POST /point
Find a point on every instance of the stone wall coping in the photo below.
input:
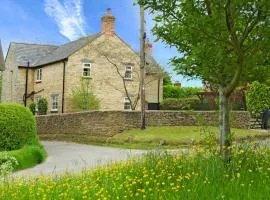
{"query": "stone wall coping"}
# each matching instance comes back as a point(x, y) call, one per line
point(148, 111)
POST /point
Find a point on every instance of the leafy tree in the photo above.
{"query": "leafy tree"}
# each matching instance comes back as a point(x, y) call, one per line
point(226, 43)
point(171, 91)
point(167, 79)
point(82, 98)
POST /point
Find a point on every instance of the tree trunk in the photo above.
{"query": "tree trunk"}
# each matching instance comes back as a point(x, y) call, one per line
point(224, 122)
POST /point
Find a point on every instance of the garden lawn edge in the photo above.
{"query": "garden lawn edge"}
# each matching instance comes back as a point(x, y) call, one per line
point(28, 156)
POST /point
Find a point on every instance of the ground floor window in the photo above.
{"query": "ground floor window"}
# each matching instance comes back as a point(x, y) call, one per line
point(37, 98)
point(127, 104)
point(54, 102)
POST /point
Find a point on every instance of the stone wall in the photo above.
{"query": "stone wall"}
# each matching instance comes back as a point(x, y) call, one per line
point(109, 123)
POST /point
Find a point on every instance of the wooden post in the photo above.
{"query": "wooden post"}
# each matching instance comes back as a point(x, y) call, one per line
point(142, 66)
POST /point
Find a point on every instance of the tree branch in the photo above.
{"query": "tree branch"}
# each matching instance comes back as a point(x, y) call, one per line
point(230, 24)
point(124, 83)
point(208, 7)
point(249, 27)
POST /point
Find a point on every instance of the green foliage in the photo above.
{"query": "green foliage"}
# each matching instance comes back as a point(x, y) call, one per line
point(258, 98)
point(32, 107)
point(83, 99)
point(1, 80)
point(170, 176)
point(7, 164)
point(167, 79)
point(179, 104)
point(171, 91)
point(42, 105)
point(222, 42)
point(17, 127)
point(28, 156)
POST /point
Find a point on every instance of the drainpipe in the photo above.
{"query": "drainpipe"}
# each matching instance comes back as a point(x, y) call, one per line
point(158, 92)
point(63, 90)
point(26, 84)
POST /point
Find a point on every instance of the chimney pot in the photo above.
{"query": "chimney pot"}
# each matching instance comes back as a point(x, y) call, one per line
point(148, 47)
point(108, 12)
point(108, 22)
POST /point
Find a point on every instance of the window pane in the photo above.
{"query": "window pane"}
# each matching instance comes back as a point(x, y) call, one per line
point(128, 74)
point(127, 105)
point(39, 74)
point(86, 72)
point(55, 102)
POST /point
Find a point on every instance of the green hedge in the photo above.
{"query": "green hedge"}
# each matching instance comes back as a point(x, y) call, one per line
point(179, 104)
point(258, 98)
point(171, 91)
point(28, 156)
point(17, 127)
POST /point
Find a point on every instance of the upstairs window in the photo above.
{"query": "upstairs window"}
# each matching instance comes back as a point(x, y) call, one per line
point(127, 105)
point(87, 70)
point(54, 102)
point(128, 72)
point(39, 75)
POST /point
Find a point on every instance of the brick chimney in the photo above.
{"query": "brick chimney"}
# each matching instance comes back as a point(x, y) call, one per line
point(148, 47)
point(108, 22)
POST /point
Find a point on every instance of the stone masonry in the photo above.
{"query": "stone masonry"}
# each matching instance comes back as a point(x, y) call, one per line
point(109, 123)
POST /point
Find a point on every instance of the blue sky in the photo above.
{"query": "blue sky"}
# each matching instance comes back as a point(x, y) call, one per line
point(60, 21)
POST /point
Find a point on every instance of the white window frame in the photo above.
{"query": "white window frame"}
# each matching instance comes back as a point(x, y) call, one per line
point(37, 98)
point(87, 67)
point(126, 101)
point(54, 102)
point(39, 75)
point(129, 68)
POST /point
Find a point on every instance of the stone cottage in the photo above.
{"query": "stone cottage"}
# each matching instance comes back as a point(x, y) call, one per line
point(104, 60)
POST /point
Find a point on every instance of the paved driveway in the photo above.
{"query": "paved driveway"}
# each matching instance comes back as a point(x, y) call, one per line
point(73, 157)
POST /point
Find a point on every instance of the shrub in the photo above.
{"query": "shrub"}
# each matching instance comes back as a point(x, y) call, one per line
point(17, 126)
point(42, 105)
point(258, 98)
point(179, 104)
point(7, 164)
point(171, 91)
point(28, 156)
point(82, 98)
point(32, 107)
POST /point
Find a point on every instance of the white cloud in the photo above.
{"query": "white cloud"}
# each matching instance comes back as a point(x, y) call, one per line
point(68, 16)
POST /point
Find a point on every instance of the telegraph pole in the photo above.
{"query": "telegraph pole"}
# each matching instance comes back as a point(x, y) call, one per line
point(142, 66)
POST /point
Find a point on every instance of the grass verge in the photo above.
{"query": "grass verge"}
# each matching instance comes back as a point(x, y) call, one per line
point(28, 156)
point(157, 137)
point(201, 175)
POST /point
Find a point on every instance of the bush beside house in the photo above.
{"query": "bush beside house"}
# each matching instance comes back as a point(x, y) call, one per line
point(18, 136)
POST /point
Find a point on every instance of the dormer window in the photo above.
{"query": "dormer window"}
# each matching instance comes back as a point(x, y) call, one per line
point(128, 72)
point(39, 75)
point(87, 70)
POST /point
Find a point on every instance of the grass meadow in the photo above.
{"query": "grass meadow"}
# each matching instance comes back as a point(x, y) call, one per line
point(200, 173)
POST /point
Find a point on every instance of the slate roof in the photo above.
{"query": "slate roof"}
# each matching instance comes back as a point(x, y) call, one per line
point(30, 52)
point(39, 55)
point(66, 50)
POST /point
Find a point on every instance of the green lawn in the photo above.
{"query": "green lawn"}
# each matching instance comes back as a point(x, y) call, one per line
point(174, 136)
